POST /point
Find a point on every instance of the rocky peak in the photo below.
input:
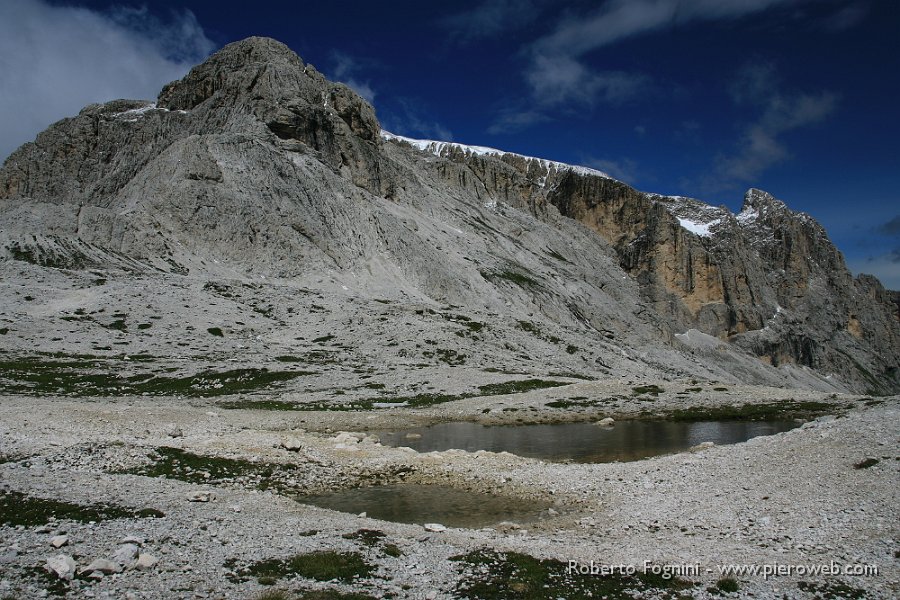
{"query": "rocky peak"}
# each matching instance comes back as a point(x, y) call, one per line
point(237, 65)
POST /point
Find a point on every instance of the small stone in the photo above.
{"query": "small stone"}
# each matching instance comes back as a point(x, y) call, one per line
point(413, 436)
point(58, 541)
point(552, 512)
point(146, 561)
point(201, 496)
point(434, 527)
point(125, 554)
point(432, 595)
point(133, 539)
point(291, 445)
point(607, 422)
point(63, 566)
point(174, 432)
point(702, 446)
point(101, 565)
point(362, 515)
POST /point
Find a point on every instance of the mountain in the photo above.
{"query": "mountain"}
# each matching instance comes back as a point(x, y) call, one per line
point(256, 212)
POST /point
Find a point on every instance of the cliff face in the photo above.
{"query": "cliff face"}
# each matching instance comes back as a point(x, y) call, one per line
point(255, 165)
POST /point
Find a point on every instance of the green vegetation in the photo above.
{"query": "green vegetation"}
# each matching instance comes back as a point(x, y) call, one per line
point(865, 464)
point(323, 565)
point(652, 389)
point(175, 463)
point(326, 594)
point(216, 331)
point(783, 410)
point(515, 277)
point(728, 585)
point(518, 387)
point(245, 403)
point(490, 575)
point(832, 591)
point(556, 255)
point(19, 509)
point(92, 376)
point(374, 538)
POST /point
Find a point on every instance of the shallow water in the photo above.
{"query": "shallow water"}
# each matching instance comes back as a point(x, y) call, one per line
point(582, 442)
point(415, 503)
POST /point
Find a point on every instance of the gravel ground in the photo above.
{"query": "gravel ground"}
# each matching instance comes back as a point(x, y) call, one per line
point(796, 498)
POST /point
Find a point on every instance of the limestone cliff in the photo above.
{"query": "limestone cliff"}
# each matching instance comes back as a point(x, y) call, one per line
point(254, 166)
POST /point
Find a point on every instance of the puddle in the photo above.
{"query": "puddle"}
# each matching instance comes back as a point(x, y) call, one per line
point(415, 503)
point(582, 442)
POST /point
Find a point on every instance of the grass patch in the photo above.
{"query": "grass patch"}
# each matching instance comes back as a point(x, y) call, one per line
point(323, 339)
point(490, 575)
point(175, 463)
point(729, 585)
point(82, 377)
point(19, 509)
point(515, 277)
point(367, 537)
point(518, 387)
point(491, 389)
point(865, 464)
point(783, 410)
point(833, 591)
point(652, 389)
point(257, 405)
point(326, 565)
point(216, 331)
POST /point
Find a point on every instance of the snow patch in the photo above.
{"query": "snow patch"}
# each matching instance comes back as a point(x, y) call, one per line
point(701, 229)
point(440, 149)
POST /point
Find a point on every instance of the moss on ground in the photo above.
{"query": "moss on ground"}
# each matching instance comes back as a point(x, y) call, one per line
point(20, 509)
point(324, 565)
point(92, 376)
point(491, 575)
point(763, 411)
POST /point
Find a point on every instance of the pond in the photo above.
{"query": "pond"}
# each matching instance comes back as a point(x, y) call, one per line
point(582, 442)
point(416, 503)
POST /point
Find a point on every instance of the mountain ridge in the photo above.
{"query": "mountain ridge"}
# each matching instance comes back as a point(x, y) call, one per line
point(254, 167)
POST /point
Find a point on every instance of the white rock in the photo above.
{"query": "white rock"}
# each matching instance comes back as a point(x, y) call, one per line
point(432, 595)
point(435, 527)
point(133, 539)
point(125, 554)
point(291, 445)
point(58, 541)
point(102, 565)
point(413, 436)
point(201, 496)
point(146, 561)
point(62, 565)
point(607, 422)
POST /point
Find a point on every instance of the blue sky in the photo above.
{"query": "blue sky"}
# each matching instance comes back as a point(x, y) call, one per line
point(703, 98)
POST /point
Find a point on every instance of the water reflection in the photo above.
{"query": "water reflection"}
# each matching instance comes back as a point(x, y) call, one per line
point(414, 503)
point(582, 442)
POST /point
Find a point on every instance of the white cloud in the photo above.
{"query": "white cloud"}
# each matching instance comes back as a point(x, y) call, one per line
point(560, 80)
point(344, 71)
point(493, 17)
point(556, 72)
point(761, 145)
point(55, 60)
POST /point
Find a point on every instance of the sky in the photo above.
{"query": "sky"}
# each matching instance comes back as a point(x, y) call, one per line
point(699, 98)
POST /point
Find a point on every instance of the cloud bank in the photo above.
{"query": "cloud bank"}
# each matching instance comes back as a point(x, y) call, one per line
point(559, 78)
point(56, 59)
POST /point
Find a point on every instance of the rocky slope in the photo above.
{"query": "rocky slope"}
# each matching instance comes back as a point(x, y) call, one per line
point(254, 186)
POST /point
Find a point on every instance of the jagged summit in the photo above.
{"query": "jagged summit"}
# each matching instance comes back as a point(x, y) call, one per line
point(255, 169)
